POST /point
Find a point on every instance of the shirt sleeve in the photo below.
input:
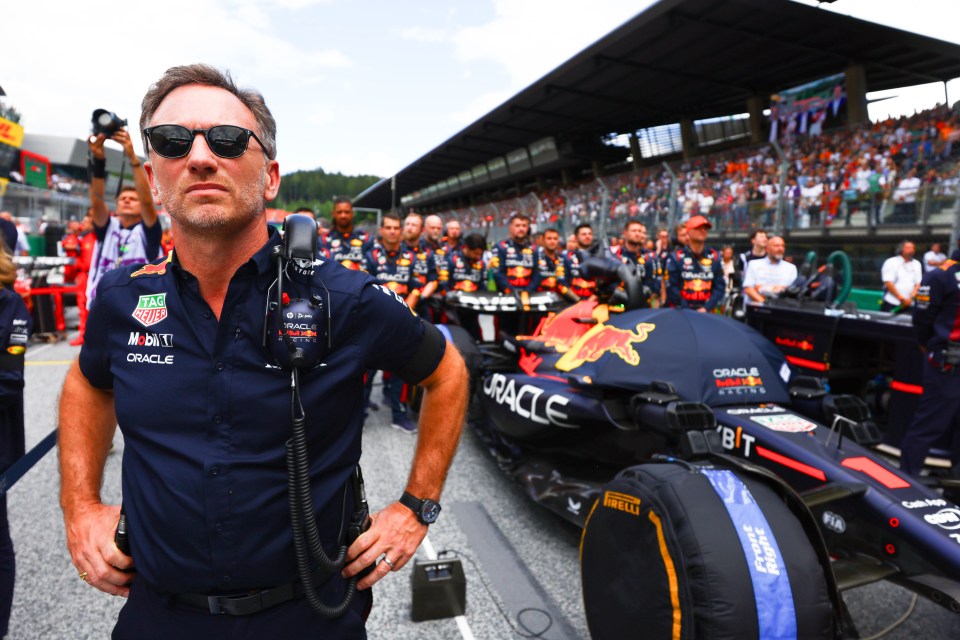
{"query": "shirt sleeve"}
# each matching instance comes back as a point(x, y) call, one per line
point(718, 289)
point(888, 273)
point(749, 277)
point(94, 355)
point(393, 338)
point(152, 236)
point(673, 283)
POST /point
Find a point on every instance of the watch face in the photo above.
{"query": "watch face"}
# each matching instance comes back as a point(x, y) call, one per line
point(429, 511)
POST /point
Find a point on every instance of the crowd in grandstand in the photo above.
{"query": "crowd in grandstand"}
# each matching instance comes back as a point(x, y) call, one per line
point(876, 169)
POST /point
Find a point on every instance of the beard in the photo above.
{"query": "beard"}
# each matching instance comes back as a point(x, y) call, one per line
point(211, 216)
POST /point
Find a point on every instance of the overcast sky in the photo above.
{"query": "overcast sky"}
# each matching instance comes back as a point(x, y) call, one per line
point(357, 87)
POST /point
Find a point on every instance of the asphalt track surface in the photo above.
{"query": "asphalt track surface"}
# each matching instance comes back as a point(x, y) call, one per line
point(516, 555)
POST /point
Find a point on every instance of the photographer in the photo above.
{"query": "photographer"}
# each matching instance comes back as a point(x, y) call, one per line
point(133, 235)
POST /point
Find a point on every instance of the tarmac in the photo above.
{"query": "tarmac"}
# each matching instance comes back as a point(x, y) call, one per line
point(520, 561)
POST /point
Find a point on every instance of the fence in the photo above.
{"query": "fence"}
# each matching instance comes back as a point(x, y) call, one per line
point(30, 204)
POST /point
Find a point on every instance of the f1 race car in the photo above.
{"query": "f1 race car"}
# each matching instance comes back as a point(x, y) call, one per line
point(592, 392)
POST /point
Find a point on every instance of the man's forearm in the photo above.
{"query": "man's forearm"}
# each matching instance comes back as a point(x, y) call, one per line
point(441, 421)
point(98, 189)
point(87, 424)
point(148, 212)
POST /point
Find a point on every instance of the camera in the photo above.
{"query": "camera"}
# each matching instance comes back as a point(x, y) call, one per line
point(107, 123)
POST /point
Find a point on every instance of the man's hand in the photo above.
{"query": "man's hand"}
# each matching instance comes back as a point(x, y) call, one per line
point(96, 146)
point(394, 533)
point(123, 139)
point(90, 533)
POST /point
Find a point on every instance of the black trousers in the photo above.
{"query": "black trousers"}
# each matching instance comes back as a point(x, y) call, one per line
point(149, 614)
point(937, 415)
point(7, 568)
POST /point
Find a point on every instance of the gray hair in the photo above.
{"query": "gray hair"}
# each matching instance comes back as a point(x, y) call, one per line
point(204, 74)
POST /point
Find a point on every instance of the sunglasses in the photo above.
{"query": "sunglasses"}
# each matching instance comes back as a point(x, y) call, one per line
point(175, 141)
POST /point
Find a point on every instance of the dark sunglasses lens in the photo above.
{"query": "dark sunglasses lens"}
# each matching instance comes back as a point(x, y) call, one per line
point(227, 141)
point(171, 141)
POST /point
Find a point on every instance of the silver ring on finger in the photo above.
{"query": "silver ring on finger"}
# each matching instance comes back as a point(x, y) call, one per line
point(389, 564)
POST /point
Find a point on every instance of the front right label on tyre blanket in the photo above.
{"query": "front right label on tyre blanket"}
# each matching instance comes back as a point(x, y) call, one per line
point(776, 615)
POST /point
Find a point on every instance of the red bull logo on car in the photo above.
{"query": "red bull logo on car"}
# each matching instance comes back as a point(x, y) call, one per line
point(151, 309)
point(603, 338)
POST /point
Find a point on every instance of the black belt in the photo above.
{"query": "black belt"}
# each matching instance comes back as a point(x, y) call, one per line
point(252, 602)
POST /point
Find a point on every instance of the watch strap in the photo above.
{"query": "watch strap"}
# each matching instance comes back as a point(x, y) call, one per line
point(411, 502)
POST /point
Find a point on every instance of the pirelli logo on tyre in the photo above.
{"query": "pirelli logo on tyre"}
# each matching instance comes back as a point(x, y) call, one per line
point(622, 502)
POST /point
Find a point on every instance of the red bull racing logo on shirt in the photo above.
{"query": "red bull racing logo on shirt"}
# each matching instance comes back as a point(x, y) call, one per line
point(151, 309)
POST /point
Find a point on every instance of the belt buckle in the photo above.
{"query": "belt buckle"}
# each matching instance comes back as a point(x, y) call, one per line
point(216, 606)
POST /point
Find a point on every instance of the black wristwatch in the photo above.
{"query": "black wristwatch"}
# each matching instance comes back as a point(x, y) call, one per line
point(426, 510)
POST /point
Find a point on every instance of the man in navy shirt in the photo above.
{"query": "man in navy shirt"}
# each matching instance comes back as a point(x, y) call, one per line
point(513, 262)
point(694, 272)
point(174, 355)
point(394, 265)
point(937, 322)
point(346, 243)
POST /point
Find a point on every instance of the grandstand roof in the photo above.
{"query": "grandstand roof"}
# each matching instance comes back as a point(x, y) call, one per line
point(678, 59)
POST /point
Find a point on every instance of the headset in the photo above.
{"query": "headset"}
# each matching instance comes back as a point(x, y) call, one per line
point(297, 332)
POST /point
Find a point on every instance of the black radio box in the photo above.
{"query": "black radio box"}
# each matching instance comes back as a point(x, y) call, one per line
point(439, 590)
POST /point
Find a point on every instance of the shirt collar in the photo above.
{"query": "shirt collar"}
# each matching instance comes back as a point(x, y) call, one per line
point(261, 262)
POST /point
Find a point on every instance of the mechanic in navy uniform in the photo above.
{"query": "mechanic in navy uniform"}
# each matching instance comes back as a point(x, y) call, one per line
point(632, 252)
point(174, 355)
point(512, 260)
point(552, 266)
point(936, 319)
point(464, 271)
point(346, 243)
point(393, 264)
point(694, 272)
point(582, 287)
point(14, 335)
point(424, 267)
point(432, 239)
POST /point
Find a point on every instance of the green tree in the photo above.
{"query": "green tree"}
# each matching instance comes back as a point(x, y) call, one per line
point(316, 189)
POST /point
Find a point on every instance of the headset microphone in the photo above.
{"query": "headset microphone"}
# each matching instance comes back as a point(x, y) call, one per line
point(297, 337)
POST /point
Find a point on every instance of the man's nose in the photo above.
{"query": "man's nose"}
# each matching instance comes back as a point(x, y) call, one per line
point(201, 158)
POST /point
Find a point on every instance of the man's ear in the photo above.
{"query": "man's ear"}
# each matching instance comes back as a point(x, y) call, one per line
point(151, 180)
point(272, 184)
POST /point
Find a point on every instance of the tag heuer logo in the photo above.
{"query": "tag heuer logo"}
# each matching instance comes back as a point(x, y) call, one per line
point(151, 309)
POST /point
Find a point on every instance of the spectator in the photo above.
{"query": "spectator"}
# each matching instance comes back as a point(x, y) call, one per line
point(728, 264)
point(906, 198)
point(933, 258)
point(901, 275)
point(769, 275)
point(757, 251)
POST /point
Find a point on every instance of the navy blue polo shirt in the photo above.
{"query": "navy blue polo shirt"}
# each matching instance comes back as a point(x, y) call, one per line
point(205, 413)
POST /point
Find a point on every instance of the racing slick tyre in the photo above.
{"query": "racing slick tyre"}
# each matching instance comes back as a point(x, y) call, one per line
point(684, 551)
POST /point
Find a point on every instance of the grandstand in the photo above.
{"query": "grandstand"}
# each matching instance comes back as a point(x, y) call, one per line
point(668, 116)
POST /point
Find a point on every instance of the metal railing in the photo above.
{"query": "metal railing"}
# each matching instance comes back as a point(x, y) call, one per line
point(30, 204)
